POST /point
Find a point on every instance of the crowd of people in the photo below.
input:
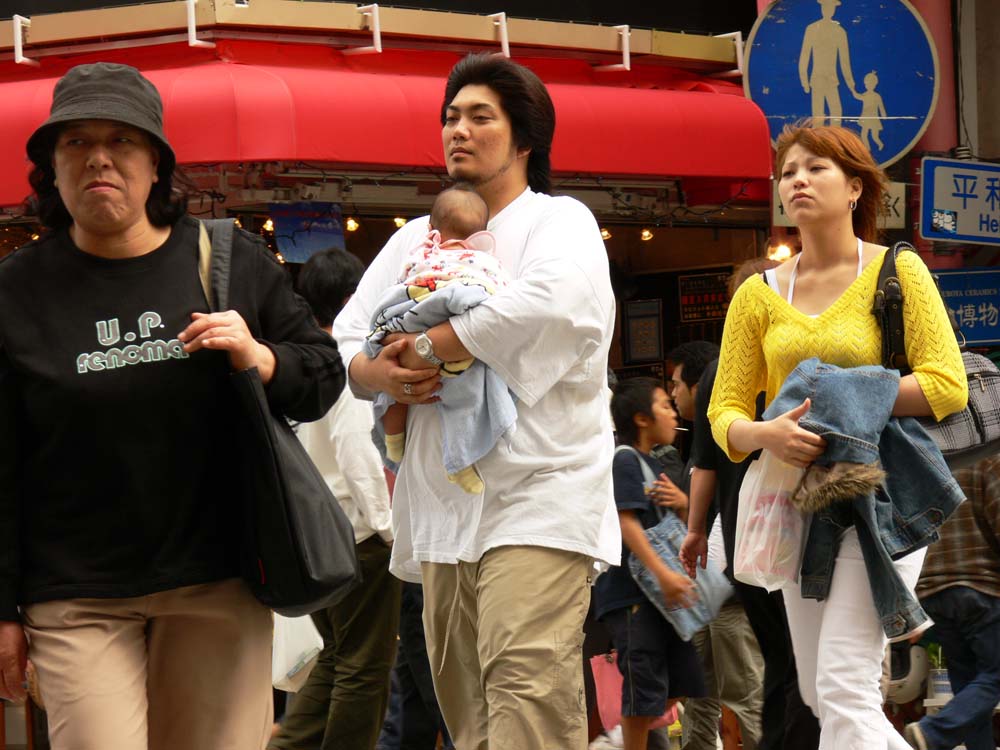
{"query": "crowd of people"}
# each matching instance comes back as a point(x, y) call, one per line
point(482, 336)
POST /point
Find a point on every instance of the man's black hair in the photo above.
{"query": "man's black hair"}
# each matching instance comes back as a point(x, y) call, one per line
point(326, 280)
point(694, 356)
point(524, 99)
point(631, 397)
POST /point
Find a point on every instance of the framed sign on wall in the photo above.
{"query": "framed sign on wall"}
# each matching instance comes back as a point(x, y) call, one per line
point(643, 331)
point(703, 296)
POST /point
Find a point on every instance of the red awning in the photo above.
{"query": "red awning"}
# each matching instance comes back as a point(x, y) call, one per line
point(252, 102)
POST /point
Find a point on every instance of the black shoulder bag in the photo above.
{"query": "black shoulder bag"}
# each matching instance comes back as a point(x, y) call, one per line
point(966, 436)
point(297, 552)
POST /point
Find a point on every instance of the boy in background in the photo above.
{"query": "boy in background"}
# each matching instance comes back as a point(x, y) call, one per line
point(657, 667)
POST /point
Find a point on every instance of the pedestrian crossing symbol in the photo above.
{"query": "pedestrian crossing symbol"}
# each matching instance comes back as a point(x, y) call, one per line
point(869, 65)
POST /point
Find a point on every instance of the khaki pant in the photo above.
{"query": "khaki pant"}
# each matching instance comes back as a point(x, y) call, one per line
point(734, 677)
point(184, 669)
point(504, 638)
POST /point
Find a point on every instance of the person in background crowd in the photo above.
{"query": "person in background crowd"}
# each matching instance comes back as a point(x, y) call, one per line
point(415, 722)
point(960, 589)
point(820, 306)
point(786, 722)
point(597, 638)
point(730, 656)
point(342, 704)
point(506, 572)
point(120, 521)
point(657, 667)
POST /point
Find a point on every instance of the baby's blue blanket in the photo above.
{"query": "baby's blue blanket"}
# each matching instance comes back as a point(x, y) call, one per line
point(476, 407)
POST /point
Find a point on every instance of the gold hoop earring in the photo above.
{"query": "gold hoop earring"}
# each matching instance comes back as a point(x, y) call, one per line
point(853, 204)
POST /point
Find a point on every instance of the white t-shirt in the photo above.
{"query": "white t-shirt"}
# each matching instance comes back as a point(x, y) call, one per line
point(340, 444)
point(547, 335)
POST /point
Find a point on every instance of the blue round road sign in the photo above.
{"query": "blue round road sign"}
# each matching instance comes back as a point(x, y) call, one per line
point(870, 65)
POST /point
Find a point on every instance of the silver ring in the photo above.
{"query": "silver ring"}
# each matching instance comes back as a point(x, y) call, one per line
point(408, 389)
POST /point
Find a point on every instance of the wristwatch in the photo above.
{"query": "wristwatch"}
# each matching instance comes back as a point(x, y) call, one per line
point(425, 349)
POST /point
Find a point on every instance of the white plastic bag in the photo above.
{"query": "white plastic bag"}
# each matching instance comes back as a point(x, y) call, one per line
point(297, 644)
point(770, 530)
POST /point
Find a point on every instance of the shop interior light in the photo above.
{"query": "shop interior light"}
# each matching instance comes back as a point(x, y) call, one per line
point(399, 221)
point(781, 252)
point(646, 234)
point(605, 234)
point(268, 226)
point(280, 257)
point(34, 237)
point(238, 223)
point(351, 225)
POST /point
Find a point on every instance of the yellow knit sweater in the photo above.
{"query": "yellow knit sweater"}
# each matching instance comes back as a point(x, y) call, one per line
point(765, 338)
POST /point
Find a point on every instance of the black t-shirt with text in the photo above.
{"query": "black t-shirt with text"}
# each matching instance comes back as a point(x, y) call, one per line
point(116, 452)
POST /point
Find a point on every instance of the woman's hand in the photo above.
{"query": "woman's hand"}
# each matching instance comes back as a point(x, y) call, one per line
point(787, 441)
point(227, 331)
point(386, 374)
point(13, 661)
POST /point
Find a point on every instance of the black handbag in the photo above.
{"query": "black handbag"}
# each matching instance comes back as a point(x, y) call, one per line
point(965, 436)
point(297, 553)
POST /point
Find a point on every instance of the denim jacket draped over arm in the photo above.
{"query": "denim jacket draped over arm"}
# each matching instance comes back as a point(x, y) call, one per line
point(894, 513)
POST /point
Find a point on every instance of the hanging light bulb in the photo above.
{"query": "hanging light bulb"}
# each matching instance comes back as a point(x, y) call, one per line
point(781, 252)
point(646, 234)
point(268, 225)
point(399, 221)
point(605, 234)
point(351, 225)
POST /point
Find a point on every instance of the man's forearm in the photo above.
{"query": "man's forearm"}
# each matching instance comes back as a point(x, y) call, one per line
point(359, 371)
point(700, 499)
point(446, 343)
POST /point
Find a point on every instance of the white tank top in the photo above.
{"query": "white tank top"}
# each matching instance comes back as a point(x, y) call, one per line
point(772, 277)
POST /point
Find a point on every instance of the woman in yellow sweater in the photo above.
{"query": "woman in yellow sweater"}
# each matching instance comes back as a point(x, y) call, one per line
point(819, 305)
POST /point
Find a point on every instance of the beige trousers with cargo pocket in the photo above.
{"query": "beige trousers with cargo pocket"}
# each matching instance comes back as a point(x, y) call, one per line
point(504, 640)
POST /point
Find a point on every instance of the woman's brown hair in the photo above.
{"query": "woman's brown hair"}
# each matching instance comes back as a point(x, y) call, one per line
point(845, 148)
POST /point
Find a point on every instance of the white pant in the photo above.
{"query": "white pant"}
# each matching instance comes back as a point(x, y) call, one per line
point(839, 646)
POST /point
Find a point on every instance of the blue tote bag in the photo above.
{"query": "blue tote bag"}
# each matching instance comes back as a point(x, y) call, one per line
point(666, 539)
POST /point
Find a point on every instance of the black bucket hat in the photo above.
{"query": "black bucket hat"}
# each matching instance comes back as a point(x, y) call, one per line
point(104, 91)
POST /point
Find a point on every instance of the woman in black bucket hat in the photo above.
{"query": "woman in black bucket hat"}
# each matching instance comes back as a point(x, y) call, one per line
point(119, 525)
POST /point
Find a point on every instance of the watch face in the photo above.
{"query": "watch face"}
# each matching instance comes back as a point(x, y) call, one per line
point(423, 346)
